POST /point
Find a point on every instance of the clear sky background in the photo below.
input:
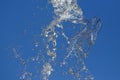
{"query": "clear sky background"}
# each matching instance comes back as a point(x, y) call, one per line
point(19, 19)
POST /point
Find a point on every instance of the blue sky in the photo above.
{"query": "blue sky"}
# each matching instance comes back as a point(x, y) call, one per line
point(19, 19)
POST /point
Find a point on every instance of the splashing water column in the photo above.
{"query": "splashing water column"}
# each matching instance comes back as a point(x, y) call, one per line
point(65, 51)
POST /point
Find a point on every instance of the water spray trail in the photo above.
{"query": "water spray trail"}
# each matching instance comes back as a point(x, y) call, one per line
point(65, 63)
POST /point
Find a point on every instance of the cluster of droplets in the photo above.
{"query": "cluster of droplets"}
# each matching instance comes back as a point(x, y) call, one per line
point(67, 9)
point(48, 61)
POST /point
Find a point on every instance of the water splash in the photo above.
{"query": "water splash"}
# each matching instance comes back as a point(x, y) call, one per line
point(66, 43)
